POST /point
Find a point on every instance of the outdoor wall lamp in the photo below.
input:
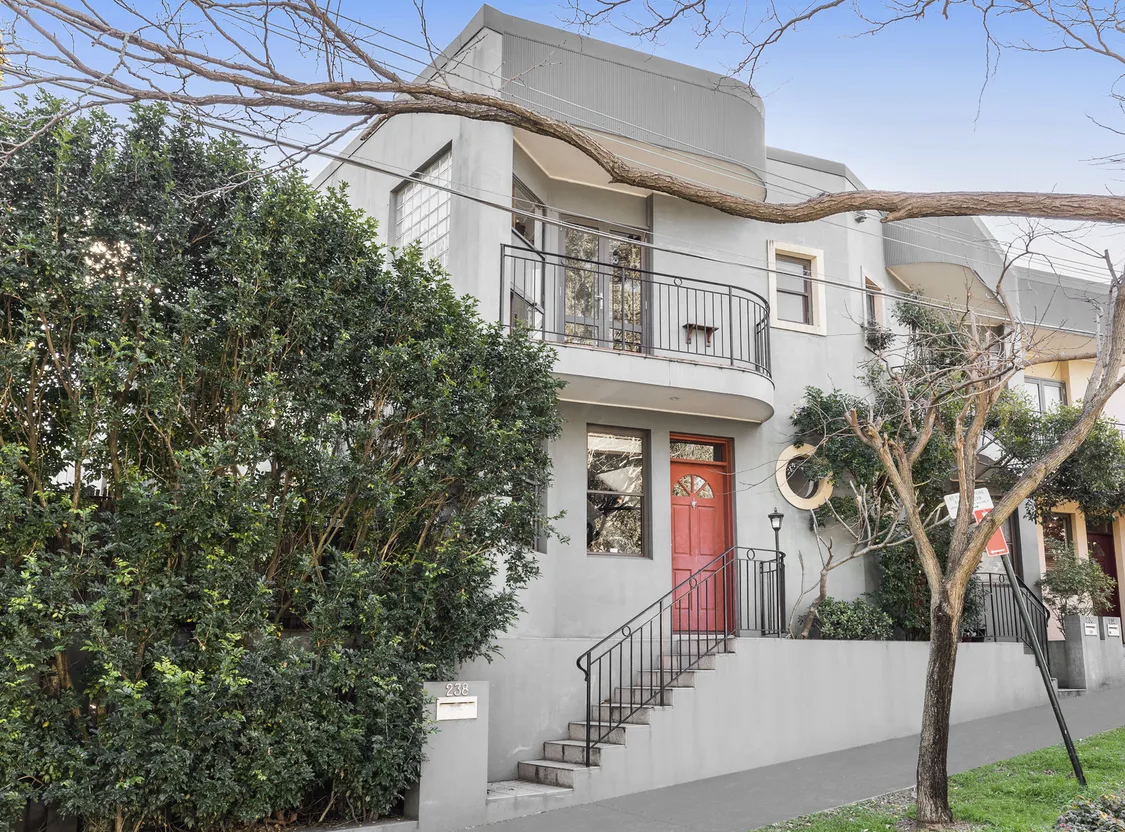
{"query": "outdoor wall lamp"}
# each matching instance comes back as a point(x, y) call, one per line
point(775, 520)
point(779, 567)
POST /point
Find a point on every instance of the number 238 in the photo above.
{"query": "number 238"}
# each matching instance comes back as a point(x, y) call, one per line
point(457, 689)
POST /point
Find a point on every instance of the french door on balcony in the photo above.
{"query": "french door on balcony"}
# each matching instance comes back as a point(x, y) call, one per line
point(604, 293)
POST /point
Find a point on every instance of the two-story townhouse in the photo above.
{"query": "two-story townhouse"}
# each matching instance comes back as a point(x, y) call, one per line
point(685, 338)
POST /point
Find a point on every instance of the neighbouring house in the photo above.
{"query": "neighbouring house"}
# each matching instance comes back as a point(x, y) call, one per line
point(685, 337)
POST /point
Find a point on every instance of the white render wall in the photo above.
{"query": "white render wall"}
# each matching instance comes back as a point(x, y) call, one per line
point(771, 700)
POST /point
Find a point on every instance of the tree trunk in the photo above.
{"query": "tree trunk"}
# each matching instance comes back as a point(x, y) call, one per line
point(933, 777)
point(810, 616)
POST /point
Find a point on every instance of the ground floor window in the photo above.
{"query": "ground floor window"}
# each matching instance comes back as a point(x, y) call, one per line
point(1058, 531)
point(616, 475)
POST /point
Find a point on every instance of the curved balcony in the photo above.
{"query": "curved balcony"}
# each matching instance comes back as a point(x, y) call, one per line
point(631, 337)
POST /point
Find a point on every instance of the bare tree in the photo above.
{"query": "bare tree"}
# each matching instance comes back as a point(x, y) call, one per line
point(229, 62)
point(869, 520)
point(952, 374)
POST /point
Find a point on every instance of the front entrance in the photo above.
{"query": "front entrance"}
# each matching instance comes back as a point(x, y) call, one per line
point(1100, 545)
point(701, 532)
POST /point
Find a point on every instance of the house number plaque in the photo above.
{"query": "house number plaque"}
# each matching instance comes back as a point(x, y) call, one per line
point(457, 703)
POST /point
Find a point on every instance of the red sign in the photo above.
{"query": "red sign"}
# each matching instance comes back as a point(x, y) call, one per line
point(997, 545)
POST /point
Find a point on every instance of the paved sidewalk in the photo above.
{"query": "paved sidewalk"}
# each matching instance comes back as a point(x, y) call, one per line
point(749, 799)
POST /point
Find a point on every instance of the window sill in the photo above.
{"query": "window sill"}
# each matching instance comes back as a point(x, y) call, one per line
point(793, 326)
point(624, 555)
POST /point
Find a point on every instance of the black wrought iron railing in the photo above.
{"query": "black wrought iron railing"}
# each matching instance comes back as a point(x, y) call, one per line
point(998, 617)
point(620, 307)
point(742, 591)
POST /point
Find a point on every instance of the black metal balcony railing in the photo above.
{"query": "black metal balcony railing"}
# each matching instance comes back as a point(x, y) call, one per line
point(998, 617)
point(740, 591)
point(614, 306)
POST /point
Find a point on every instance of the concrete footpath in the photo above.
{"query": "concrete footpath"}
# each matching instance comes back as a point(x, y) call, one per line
point(749, 799)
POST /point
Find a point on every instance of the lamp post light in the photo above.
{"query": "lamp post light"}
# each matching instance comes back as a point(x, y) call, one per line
point(779, 561)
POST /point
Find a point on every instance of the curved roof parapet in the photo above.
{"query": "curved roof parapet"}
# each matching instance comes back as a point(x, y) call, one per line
point(622, 92)
point(956, 258)
point(950, 259)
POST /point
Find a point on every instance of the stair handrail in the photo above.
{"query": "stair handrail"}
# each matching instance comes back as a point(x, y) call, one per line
point(720, 574)
point(1037, 607)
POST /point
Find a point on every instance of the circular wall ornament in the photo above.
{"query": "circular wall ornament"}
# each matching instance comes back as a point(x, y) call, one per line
point(796, 487)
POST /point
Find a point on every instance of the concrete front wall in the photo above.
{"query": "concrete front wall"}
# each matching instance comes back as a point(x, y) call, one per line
point(782, 700)
point(771, 700)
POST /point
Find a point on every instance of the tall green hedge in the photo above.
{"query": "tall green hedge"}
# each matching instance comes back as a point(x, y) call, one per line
point(260, 477)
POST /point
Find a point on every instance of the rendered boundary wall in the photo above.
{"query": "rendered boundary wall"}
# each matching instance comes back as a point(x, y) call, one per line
point(770, 701)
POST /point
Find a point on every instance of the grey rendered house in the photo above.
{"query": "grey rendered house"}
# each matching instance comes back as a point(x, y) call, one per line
point(685, 337)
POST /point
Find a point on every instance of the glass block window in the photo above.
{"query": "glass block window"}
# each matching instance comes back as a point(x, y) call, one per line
point(422, 212)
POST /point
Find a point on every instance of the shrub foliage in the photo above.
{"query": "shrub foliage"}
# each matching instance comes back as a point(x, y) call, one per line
point(1100, 814)
point(856, 620)
point(260, 477)
point(1076, 587)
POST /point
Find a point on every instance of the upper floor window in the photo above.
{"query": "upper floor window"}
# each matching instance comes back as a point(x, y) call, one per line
point(422, 213)
point(526, 217)
point(1046, 394)
point(797, 299)
point(616, 461)
point(872, 303)
point(794, 289)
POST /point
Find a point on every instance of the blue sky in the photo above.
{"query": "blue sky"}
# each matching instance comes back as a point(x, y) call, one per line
point(900, 108)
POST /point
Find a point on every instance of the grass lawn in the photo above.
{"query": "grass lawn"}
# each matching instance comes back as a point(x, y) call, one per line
point(1023, 794)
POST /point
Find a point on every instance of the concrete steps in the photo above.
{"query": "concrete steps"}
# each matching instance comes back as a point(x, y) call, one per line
point(560, 777)
point(555, 772)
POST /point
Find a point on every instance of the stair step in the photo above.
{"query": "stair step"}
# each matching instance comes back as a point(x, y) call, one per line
point(684, 663)
point(636, 714)
point(604, 732)
point(515, 789)
point(652, 678)
point(574, 751)
point(684, 645)
point(554, 772)
point(642, 695)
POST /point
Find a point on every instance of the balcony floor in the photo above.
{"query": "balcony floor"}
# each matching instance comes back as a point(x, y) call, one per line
point(670, 385)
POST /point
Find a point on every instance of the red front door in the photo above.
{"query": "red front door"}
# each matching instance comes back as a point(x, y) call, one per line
point(1101, 549)
point(699, 535)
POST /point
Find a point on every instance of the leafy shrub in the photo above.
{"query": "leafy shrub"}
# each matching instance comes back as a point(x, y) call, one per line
point(1075, 587)
point(855, 620)
point(227, 412)
point(1103, 814)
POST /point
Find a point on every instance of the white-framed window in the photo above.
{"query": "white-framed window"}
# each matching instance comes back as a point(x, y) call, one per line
point(527, 218)
point(796, 277)
point(421, 213)
point(1045, 393)
point(616, 493)
point(872, 303)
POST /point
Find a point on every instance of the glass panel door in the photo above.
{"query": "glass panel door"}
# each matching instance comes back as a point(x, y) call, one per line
point(603, 291)
point(627, 293)
point(583, 295)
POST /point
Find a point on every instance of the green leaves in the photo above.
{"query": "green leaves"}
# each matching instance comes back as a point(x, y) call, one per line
point(259, 478)
point(1093, 476)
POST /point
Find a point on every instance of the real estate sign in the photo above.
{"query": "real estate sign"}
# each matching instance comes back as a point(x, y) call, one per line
point(982, 505)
